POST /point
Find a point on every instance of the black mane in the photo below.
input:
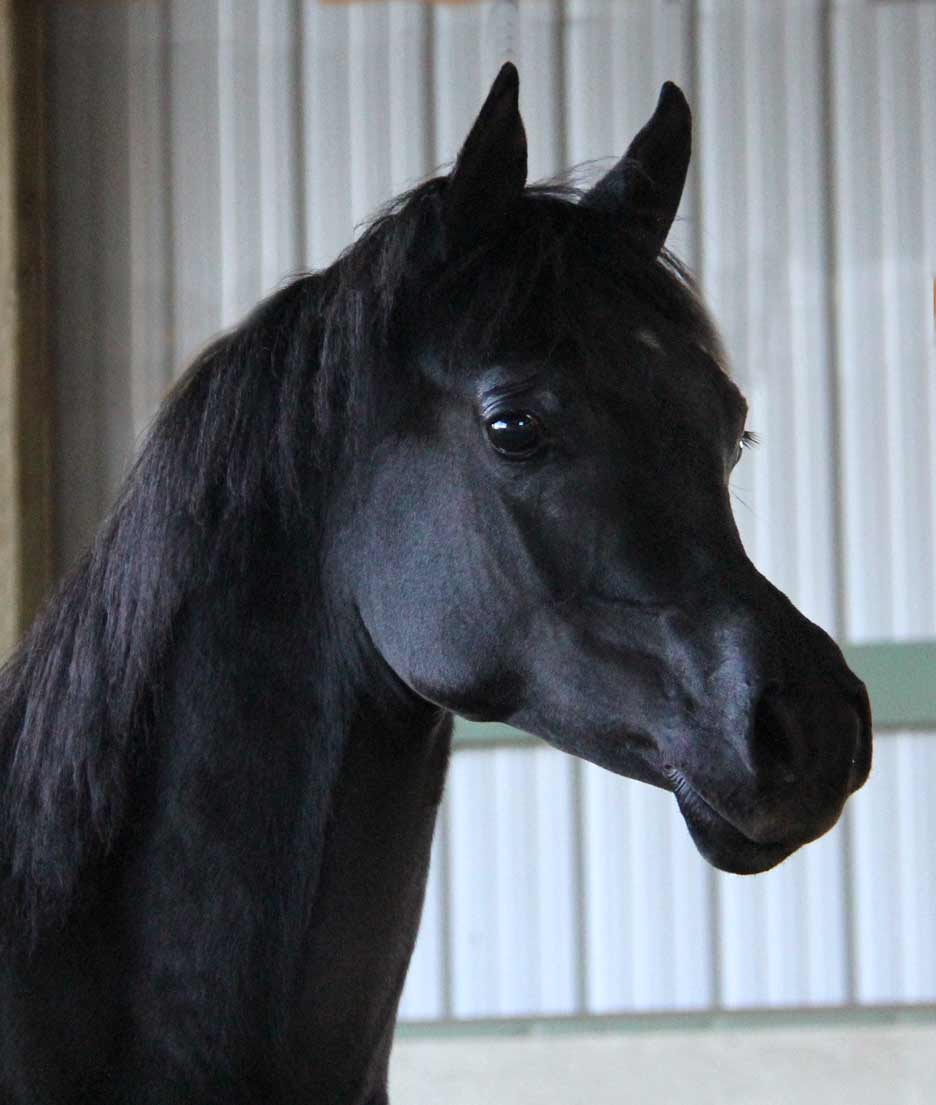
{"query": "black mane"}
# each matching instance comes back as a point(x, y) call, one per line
point(255, 426)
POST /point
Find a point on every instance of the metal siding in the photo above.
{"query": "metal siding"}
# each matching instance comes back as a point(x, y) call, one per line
point(884, 163)
point(424, 995)
point(764, 270)
point(369, 106)
point(412, 152)
point(248, 144)
point(895, 874)
point(279, 141)
point(916, 830)
point(239, 158)
point(885, 170)
point(511, 854)
point(327, 131)
point(150, 219)
point(555, 830)
point(475, 932)
point(648, 898)
point(195, 181)
point(532, 854)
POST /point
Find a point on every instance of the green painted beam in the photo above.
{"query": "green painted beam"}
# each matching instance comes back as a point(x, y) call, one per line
point(901, 679)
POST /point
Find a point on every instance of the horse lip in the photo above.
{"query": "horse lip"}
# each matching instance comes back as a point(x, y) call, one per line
point(720, 842)
point(681, 786)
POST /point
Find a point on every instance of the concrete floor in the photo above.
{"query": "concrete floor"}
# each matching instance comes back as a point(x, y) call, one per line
point(857, 1065)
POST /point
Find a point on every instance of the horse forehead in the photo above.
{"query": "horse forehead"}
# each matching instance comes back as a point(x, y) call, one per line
point(656, 340)
point(705, 362)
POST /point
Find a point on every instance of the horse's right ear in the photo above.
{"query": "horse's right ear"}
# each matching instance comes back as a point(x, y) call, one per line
point(646, 185)
point(490, 173)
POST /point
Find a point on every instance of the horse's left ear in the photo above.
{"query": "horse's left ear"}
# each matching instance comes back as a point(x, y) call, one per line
point(646, 185)
point(491, 169)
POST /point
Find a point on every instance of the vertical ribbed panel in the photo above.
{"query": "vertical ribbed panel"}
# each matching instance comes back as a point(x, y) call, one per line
point(409, 47)
point(369, 105)
point(279, 141)
point(472, 841)
point(425, 994)
point(648, 931)
point(198, 199)
point(761, 156)
point(885, 175)
point(895, 873)
point(511, 891)
point(206, 149)
point(150, 222)
point(885, 171)
point(238, 160)
point(327, 131)
point(532, 875)
point(762, 165)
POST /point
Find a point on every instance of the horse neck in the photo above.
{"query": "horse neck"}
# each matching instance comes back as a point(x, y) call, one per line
point(304, 776)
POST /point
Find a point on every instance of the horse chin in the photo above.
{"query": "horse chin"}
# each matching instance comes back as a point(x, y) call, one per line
point(722, 844)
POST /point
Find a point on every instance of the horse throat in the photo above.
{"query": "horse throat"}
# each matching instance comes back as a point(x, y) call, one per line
point(369, 893)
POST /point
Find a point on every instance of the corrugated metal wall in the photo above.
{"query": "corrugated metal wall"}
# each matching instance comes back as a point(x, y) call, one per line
point(205, 149)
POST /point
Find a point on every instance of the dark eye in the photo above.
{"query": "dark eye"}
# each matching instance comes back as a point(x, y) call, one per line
point(515, 434)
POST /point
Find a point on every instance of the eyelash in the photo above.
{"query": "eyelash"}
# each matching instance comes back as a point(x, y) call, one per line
point(749, 439)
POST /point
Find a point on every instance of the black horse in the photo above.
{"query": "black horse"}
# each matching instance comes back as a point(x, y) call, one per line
point(478, 466)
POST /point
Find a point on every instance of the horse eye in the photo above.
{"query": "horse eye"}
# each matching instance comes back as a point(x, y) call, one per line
point(515, 434)
point(748, 441)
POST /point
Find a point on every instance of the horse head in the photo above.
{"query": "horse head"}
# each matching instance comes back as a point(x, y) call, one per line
point(543, 534)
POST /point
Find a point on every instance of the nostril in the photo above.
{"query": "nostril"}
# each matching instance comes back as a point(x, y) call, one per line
point(811, 733)
point(805, 752)
point(776, 737)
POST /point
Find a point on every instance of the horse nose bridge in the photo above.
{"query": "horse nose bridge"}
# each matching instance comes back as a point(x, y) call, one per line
point(752, 635)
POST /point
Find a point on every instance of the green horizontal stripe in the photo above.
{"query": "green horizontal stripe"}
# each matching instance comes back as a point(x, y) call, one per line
point(901, 680)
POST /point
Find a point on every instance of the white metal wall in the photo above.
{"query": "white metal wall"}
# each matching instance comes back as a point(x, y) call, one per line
point(205, 149)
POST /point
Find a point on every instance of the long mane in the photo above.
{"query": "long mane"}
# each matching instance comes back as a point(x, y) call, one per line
point(253, 427)
point(74, 698)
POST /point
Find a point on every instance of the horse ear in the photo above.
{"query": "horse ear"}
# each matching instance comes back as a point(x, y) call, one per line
point(646, 185)
point(491, 169)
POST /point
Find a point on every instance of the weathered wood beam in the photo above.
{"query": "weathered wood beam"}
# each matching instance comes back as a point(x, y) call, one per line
point(26, 399)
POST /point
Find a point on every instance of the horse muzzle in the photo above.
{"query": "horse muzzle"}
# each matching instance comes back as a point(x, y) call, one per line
point(807, 750)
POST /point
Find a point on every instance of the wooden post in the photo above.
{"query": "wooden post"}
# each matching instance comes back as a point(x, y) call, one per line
point(26, 554)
